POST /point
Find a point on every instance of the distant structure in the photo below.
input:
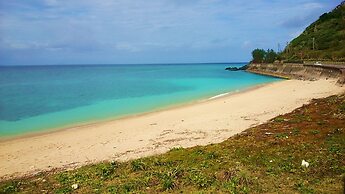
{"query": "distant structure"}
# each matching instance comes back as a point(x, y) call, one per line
point(279, 49)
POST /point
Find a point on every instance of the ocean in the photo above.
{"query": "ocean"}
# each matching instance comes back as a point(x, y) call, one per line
point(41, 98)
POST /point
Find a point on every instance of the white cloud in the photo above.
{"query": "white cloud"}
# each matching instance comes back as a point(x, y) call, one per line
point(155, 26)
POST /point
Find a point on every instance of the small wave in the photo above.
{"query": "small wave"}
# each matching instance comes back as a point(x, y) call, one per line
point(219, 95)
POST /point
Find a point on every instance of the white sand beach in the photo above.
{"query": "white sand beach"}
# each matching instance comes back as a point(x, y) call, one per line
point(201, 123)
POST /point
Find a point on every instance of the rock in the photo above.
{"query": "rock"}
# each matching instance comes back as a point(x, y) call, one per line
point(237, 68)
point(305, 163)
point(232, 69)
point(75, 186)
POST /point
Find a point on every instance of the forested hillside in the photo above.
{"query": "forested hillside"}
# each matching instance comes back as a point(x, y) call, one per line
point(322, 40)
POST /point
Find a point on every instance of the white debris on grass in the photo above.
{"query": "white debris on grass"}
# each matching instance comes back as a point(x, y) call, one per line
point(75, 186)
point(305, 163)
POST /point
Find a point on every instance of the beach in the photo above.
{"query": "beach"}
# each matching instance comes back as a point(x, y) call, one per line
point(200, 123)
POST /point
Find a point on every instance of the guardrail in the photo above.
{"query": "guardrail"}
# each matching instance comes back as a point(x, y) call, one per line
point(326, 66)
point(324, 62)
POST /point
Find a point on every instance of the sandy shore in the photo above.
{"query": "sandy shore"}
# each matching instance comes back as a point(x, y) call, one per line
point(201, 123)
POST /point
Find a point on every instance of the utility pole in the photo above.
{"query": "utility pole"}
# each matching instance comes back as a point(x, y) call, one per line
point(279, 50)
point(313, 43)
point(287, 47)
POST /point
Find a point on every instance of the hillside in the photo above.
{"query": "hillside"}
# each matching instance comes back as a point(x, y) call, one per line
point(322, 40)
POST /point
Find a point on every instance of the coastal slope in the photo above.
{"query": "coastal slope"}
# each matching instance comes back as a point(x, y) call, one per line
point(201, 123)
point(324, 39)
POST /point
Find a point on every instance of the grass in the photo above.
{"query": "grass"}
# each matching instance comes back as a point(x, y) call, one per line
point(264, 159)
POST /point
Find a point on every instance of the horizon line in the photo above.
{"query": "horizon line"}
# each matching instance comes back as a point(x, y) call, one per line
point(104, 64)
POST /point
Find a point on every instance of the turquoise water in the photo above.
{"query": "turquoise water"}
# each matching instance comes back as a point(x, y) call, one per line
point(36, 98)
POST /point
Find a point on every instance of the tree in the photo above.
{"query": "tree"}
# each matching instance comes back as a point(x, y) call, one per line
point(258, 55)
point(270, 56)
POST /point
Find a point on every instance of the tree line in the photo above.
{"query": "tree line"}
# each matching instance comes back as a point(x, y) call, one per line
point(264, 56)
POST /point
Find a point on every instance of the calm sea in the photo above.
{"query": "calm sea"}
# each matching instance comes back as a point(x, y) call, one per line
point(36, 98)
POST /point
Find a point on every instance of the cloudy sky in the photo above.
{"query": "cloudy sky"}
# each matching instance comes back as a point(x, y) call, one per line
point(148, 31)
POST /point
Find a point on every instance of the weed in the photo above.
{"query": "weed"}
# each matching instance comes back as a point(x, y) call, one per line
point(342, 107)
point(168, 183)
point(113, 189)
point(296, 131)
point(199, 152)
point(106, 170)
point(64, 190)
point(314, 132)
point(138, 165)
point(301, 187)
point(231, 185)
point(200, 179)
point(278, 119)
point(63, 178)
point(128, 187)
point(286, 166)
point(271, 171)
point(321, 122)
point(334, 148)
point(281, 135)
point(10, 187)
point(176, 149)
point(237, 185)
point(212, 155)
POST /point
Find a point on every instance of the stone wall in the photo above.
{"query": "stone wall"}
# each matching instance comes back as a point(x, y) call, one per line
point(300, 71)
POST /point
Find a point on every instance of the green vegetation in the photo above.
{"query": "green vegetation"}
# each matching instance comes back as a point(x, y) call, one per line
point(322, 40)
point(263, 159)
point(262, 56)
point(258, 55)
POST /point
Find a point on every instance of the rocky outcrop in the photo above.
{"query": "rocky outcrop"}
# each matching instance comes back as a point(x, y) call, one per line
point(245, 67)
point(300, 71)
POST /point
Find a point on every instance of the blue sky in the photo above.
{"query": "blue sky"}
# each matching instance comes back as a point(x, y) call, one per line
point(148, 31)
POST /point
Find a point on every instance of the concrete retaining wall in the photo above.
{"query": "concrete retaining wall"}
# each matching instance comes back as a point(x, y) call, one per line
point(300, 71)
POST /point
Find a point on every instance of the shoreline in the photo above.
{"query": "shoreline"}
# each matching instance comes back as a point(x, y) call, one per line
point(200, 123)
point(129, 116)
